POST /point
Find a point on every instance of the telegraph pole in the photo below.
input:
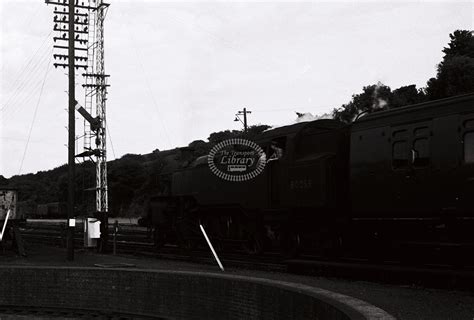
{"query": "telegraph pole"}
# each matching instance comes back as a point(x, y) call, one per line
point(67, 21)
point(72, 137)
point(244, 113)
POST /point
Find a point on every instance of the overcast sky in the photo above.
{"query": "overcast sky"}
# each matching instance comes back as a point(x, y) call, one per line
point(181, 70)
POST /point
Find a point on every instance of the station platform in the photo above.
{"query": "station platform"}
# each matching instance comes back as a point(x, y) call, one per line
point(383, 300)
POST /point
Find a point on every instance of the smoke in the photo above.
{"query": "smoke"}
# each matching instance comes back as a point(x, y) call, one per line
point(381, 103)
point(378, 103)
point(303, 117)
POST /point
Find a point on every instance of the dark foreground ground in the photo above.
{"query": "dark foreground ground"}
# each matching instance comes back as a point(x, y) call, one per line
point(403, 302)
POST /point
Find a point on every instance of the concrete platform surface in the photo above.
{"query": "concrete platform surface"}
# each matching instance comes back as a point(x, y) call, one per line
point(403, 302)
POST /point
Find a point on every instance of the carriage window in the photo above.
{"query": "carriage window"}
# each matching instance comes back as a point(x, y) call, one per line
point(469, 124)
point(399, 134)
point(399, 154)
point(421, 150)
point(421, 131)
point(469, 147)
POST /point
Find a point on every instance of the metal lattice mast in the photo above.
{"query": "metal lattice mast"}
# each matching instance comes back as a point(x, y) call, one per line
point(101, 164)
point(89, 90)
point(95, 99)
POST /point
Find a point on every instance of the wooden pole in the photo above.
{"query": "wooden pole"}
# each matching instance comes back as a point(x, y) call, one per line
point(72, 136)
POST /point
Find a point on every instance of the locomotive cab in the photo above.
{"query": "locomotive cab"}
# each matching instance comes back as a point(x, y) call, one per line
point(317, 170)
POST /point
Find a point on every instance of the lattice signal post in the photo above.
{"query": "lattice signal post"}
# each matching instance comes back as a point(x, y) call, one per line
point(81, 24)
point(95, 103)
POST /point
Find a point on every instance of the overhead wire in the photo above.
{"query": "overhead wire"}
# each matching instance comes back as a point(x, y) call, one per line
point(30, 75)
point(145, 76)
point(33, 81)
point(110, 139)
point(23, 101)
point(23, 70)
point(34, 115)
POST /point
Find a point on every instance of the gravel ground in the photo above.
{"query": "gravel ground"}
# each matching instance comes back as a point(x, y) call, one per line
point(403, 302)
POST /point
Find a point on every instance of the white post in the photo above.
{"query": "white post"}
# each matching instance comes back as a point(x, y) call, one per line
point(4, 224)
point(212, 248)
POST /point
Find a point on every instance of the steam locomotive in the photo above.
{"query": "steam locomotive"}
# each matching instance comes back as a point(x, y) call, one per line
point(392, 181)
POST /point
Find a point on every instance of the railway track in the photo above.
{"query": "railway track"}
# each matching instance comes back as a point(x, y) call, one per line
point(135, 240)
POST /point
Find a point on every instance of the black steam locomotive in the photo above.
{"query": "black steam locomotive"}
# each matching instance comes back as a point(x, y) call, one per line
point(393, 181)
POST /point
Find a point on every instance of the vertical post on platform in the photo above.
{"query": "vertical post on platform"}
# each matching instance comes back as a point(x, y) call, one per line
point(211, 247)
point(72, 136)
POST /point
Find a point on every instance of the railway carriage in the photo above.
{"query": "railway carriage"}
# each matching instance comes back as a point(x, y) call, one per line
point(412, 174)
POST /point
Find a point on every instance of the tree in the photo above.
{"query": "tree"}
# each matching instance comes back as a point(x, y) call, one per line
point(407, 95)
point(373, 98)
point(3, 181)
point(455, 74)
point(461, 44)
point(220, 136)
point(255, 130)
point(125, 179)
point(200, 148)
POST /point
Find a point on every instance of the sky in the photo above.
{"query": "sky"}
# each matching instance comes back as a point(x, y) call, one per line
point(181, 70)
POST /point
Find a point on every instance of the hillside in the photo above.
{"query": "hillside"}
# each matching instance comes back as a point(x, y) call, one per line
point(131, 179)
